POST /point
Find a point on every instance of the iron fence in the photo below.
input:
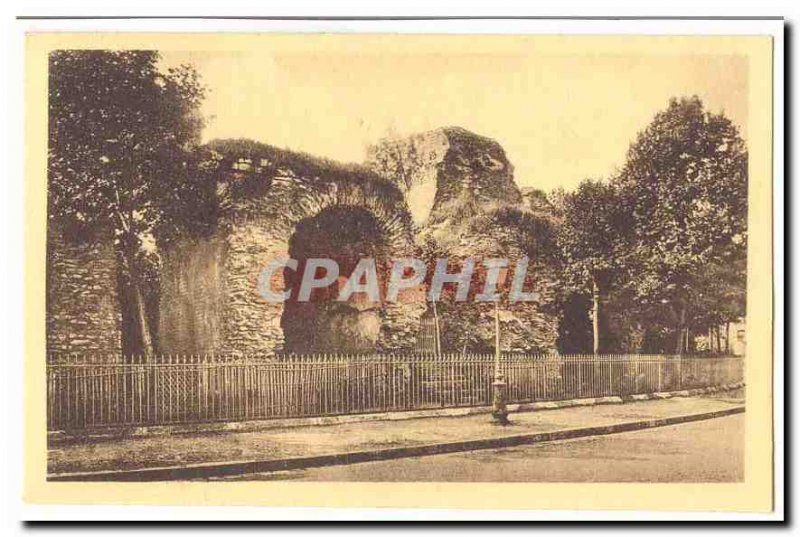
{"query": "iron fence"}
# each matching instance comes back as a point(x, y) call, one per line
point(93, 391)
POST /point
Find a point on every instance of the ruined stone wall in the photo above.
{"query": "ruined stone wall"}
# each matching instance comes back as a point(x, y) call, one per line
point(413, 164)
point(250, 323)
point(472, 180)
point(192, 296)
point(210, 300)
point(209, 294)
point(525, 327)
point(448, 175)
point(83, 312)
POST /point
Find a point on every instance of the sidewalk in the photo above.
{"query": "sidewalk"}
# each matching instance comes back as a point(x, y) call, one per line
point(337, 443)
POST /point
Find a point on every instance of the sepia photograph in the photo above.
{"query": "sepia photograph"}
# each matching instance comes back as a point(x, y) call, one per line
point(383, 258)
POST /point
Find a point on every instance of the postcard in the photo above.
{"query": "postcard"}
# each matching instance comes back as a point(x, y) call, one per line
point(386, 269)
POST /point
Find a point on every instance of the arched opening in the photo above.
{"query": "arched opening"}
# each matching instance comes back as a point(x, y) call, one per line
point(323, 324)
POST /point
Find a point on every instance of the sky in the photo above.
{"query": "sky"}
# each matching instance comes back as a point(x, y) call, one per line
point(561, 117)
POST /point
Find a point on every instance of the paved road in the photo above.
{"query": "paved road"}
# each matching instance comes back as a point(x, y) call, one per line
point(704, 451)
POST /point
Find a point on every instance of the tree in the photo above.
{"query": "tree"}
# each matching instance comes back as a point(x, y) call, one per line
point(121, 134)
point(685, 180)
point(720, 296)
point(592, 236)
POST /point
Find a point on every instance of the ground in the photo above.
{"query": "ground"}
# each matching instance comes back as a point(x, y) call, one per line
point(277, 442)
point(703, 451)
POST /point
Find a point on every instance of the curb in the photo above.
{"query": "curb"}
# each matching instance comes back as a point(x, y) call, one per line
point(56, 438)
point(219, 469)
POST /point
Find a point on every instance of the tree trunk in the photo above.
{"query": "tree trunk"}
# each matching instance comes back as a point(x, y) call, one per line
point(727, 338)
point(595, 316)
point(437, 336)
point(680, 341)
point(717, 340)
point(144, 325)
point(139, 303)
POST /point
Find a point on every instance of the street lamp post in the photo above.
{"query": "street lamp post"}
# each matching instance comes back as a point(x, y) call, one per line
point(500, 387)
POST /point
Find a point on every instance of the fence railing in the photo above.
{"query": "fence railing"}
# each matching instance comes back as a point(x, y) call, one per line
point(85, 392)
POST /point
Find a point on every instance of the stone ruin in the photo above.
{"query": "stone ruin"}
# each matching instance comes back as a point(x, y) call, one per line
point(268, 197)
point(272, 203)
point(83, 310)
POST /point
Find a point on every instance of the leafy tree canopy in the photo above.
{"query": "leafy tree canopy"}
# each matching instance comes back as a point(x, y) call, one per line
point(593, 233)
point(685, 181)
point(120, 136)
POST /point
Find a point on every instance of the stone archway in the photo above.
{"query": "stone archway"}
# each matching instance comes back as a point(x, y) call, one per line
point(210, 298)
point(325, 324)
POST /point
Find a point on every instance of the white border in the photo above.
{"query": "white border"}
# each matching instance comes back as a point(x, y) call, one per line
point(440, 26)
point(12, 214)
